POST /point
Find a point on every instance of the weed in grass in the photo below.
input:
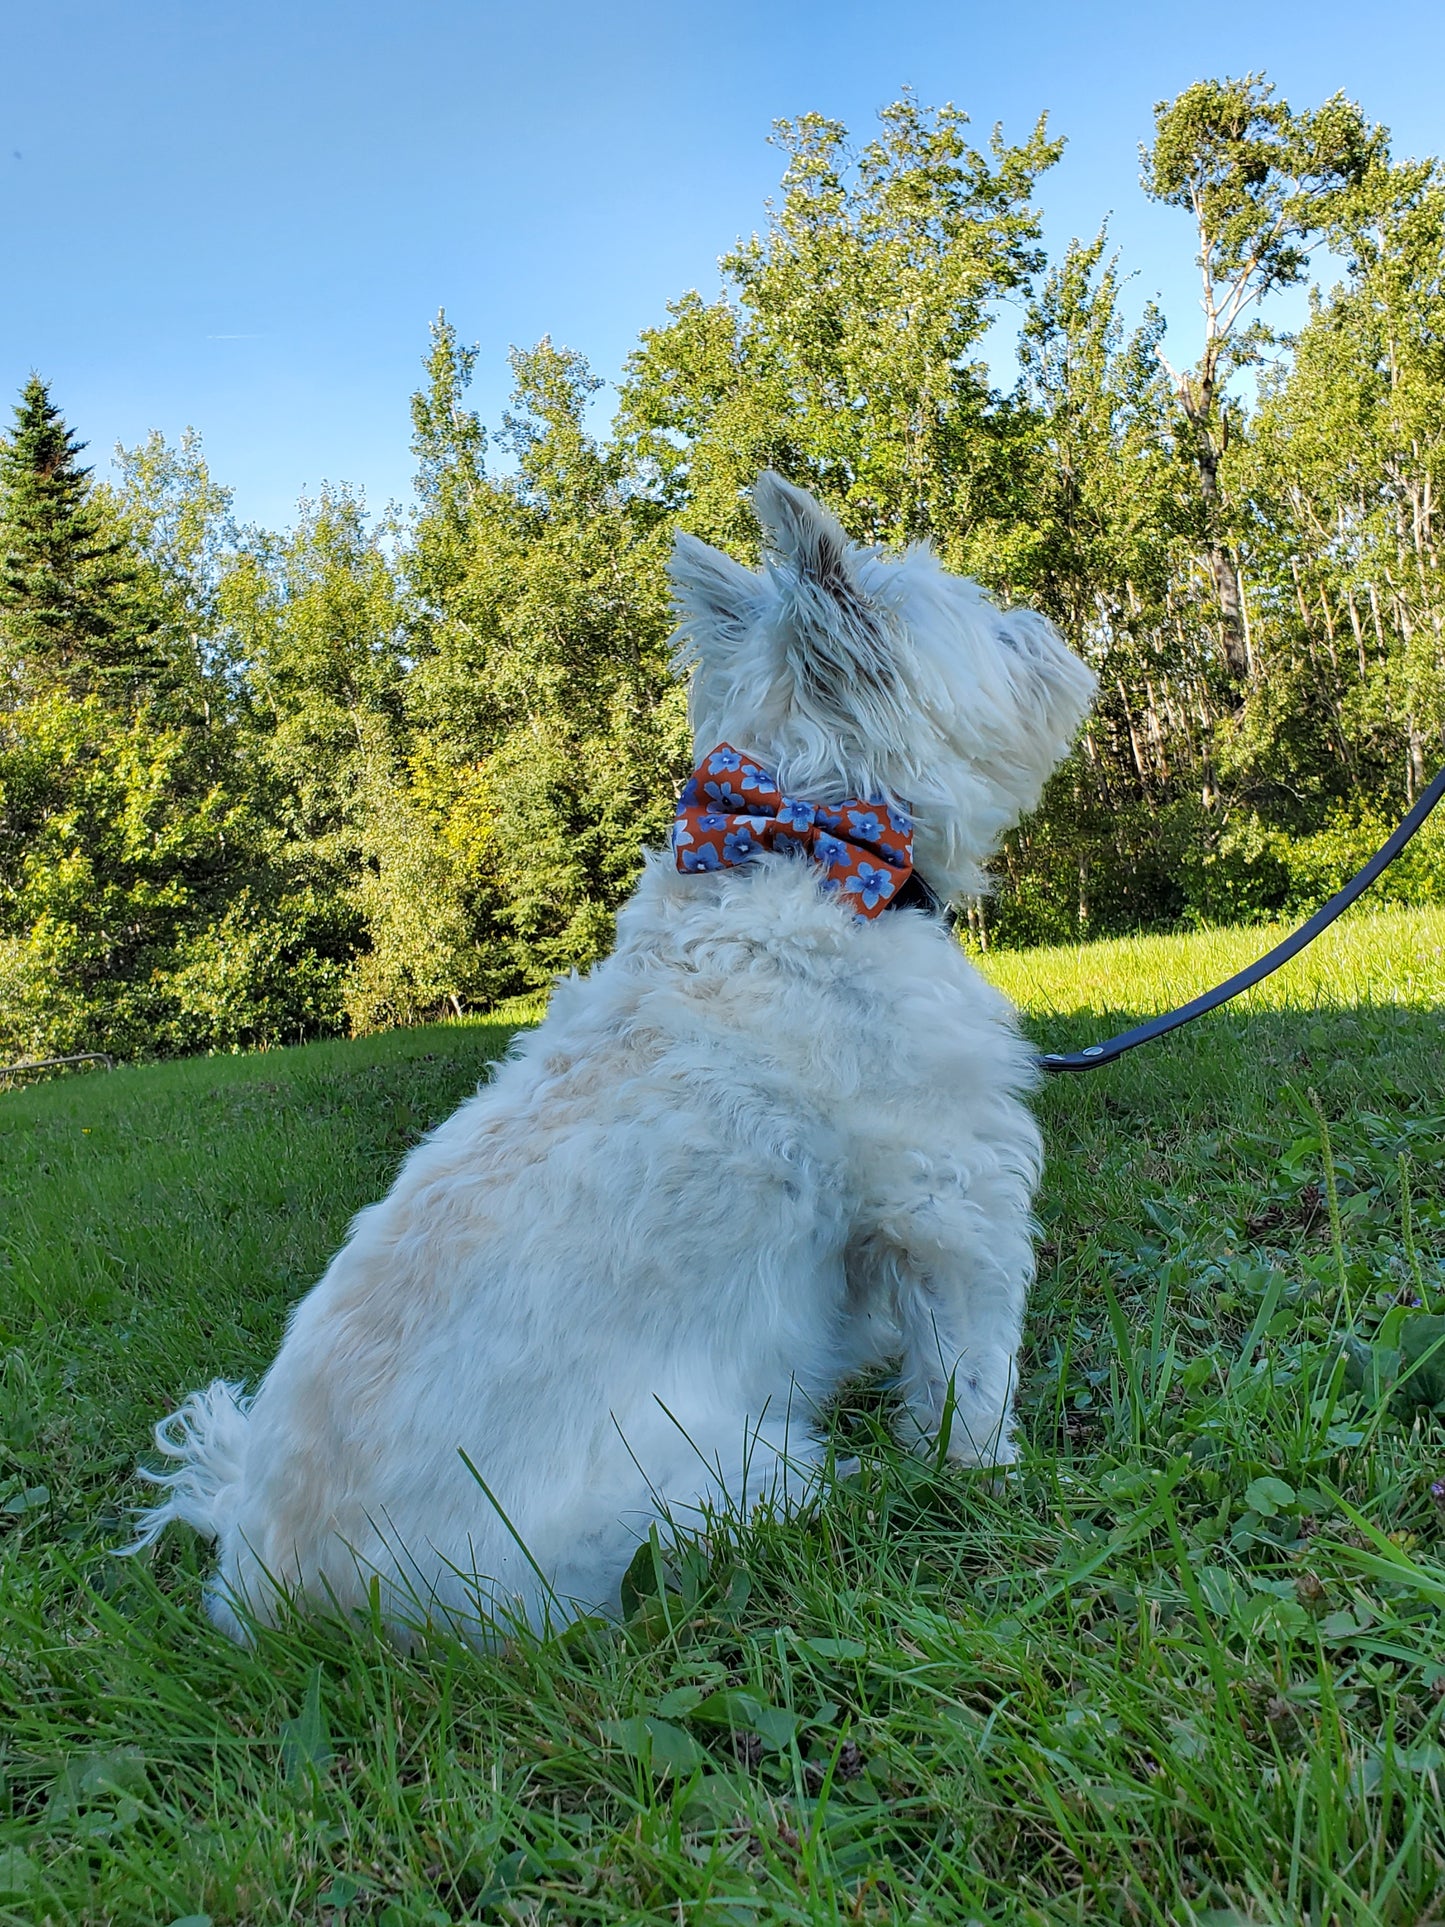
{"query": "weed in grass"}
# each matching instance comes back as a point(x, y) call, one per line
point(1182, 1666)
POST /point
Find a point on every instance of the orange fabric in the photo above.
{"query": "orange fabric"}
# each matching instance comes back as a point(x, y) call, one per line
point(731, 810)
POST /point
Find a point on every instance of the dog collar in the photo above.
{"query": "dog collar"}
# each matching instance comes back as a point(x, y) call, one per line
point(916, 895)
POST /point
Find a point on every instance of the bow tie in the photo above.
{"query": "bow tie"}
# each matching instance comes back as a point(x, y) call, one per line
point(731, 810)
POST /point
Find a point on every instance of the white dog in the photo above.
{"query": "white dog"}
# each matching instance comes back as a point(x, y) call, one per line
point(768, 1142)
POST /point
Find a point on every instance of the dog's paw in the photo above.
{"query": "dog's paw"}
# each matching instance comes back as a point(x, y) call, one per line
point(991, 1455)
point(957, 1443)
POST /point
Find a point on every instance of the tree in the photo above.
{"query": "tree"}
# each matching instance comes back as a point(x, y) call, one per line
point(1262, 185)
point(318, 625)
point(1343, 479)
point(70, 612)
point(547, 731)
point(119, 807)
point(847, 356)
point(183, 538)
point(449, 444)
point(1099, 477)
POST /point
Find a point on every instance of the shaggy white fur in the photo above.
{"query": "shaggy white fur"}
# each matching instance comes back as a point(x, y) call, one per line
point(763, 1145)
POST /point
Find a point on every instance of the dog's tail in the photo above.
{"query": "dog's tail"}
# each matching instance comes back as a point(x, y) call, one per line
point(207, 1439)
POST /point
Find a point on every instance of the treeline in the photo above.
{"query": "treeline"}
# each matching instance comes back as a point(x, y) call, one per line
point(256, 786)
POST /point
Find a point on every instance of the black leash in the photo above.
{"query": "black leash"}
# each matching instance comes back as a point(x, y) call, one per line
point(1097, 1054)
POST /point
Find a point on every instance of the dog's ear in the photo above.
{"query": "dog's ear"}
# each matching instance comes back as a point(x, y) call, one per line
point(839, 644)
point(798, 530)
point(716, 598)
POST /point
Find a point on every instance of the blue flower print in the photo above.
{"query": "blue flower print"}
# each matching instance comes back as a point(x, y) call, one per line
point(753, 778)
point(722, 760)
point(724, 796)
point(689, 794)
point(866, 826)
point(681, 834)
point(873, 886)
point(899, 821)
point(789, 845)
point(741, 844)
point(797, 815)
point(710, 820)
point(830, 818)
point(706, 858)
point(828, 850)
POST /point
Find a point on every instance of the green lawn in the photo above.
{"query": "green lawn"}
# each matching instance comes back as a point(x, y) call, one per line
point(1185, 1666)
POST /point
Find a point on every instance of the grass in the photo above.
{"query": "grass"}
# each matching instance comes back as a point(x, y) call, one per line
point(1186, 1667)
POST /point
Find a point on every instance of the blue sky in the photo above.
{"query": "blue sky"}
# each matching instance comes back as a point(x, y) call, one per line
point(243, 218)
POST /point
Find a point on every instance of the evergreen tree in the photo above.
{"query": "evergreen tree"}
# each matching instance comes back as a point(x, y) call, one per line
point(70, 611)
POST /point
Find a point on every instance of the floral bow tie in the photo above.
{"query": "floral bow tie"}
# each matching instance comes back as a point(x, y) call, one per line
point(730, 810)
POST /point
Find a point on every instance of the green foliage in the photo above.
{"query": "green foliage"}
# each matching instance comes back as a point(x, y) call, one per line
point(1259, 180)
point(1343, 472)
point(1263, 185)
point(141, 905)
point(123, 927)
point(848, 358)
point(257, 786)
point(69, 609)
point(545, 724)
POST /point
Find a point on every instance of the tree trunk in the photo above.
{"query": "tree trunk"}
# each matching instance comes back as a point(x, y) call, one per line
point(1222, 570)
